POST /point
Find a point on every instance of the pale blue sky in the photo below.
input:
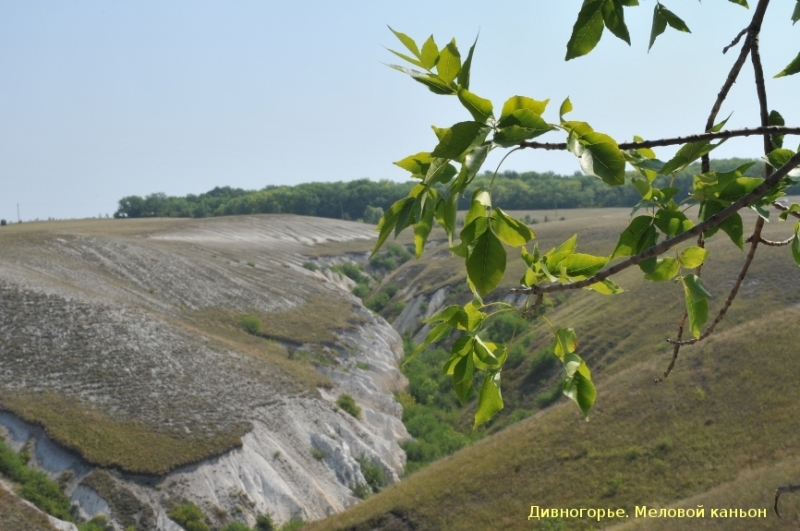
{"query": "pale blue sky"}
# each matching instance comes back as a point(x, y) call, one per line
point(99, 100)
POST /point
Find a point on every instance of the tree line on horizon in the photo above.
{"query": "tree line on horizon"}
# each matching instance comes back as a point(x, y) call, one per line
point(366, 200)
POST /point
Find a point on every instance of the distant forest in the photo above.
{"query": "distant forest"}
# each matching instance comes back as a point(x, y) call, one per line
point(367, 200)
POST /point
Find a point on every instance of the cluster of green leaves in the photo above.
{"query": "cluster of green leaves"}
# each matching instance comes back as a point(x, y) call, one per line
point(35, 486)
point(597, 15)
point(373, 473)
point(264, 522)
point(445, 172)
point(98, 523)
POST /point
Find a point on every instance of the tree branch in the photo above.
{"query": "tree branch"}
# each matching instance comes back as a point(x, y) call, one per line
point(785, 208)
point(751, 253)
point(656, 250)
point(769, 130)
point(735, 40)
point(771, 243)
point(675, 350)
point(723, 92)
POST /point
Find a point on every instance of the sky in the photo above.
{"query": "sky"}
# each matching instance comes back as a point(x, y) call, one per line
point(100, 100)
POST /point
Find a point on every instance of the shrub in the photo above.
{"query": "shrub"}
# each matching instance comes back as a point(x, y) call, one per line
point(361, 291)
point(373, 473)
point(351, 271)
point(361, 491)
point(311, 266)
point(238, 526)
point(251, 324)
point(293, 525)
point(3, 223)
point(264, 522)
point(189, 516)
point(378, 302)
point(319, 455)
point(98, 523)
point(349, 405)
point(37, 488)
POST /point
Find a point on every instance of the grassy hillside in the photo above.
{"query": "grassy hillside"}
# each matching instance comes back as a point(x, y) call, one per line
point(120, 336)
point(722, 430)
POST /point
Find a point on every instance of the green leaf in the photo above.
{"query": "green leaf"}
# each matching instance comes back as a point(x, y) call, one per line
point(565, 108)
point(742, 3)
point(515, 103)
point(435, 84)
point(796, 247)
point(649, 239)
point(445, 315)
point(734, 228)
point(404, 218)
point(696, 303)
point(796, 13)
point(688, 154)
point(407, 58)
point(463, 374)
point(510, 231)
point(486, 263)
point(672, 223)
point(673, 20)
point(417, 164)
point(423, 228)
point(665, 269)
point(630, 241)
point(778, 157)
point(739, 187)
point(565, 342)
point(469, 169)
point(459, 138)
point(449, 62)
point(490, 401)
point(463, 74)
point(461, 347)
point(479, 108)
point(587, 30)
point(791, 69)
point(693, 257)
point(578, 385)
point(553, 257)
point(775, 118)
point(437, 333)
point(471, 232)
point(439, 171)
point(785, 214)
point(389, 221)
point(484, 357)
point(601, 157)
point(408, 42)
point(606, 287)
point(659, 25)
point(430, 53)
point(580, 266)
point(614, 19)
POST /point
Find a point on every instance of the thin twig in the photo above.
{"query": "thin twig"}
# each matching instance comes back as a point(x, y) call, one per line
point(785, 208)
point(772, 129)
point(713, 221)
point(723, 92)
point(781, 490)
point(751, 253)
point(735, 40)
point(771, 243)
point(675, 350)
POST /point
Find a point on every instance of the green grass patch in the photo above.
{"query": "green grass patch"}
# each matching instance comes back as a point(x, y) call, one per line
point(110, 442)
point(34, 485)
point(348, 404)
